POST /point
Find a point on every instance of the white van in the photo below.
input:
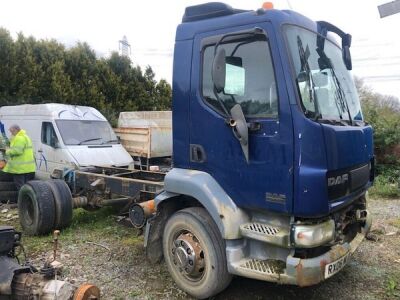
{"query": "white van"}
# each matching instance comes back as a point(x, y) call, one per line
point(66, 136)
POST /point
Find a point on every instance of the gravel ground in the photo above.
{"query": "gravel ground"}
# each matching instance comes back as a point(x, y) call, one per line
point(97, 250)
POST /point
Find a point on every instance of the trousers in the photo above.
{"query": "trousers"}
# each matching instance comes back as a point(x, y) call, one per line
point(21, 179)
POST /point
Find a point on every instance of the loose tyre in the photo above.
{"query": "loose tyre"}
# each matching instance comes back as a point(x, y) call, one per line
point(63, 203)
point(194, 252)
point(8, 196)
point(36, 208)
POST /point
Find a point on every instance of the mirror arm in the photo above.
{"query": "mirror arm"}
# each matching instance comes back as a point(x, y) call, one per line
point(221, 103)
point(324, 28)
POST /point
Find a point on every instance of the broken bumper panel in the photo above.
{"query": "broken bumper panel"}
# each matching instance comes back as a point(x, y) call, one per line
point(296, 271)
point(305, 272)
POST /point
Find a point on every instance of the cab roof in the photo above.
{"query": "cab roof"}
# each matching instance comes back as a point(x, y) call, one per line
point(216, 15)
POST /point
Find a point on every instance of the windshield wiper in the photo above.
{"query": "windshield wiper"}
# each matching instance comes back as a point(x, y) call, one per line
point(89, 140)
point(340, 96)
point(110, 141)
point(333, 122)
point(305, 67)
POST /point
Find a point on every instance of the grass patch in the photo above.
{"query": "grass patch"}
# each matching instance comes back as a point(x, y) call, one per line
point(132, 240)
point(392, 288)
point(85, 226)
point(134, 293)
point(385, 186)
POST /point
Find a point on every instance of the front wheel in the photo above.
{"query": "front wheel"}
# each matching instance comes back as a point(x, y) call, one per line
point(194, 252)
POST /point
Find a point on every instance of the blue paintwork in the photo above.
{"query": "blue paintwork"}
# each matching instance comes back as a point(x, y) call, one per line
point(289, 156)
point(180, 104)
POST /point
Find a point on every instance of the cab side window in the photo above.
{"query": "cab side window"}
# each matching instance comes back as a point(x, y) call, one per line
point(250, 79)
point(49, 136)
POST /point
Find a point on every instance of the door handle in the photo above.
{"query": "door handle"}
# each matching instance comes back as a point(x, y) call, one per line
point(255, 126)
point(197, 153)
point(40, 151)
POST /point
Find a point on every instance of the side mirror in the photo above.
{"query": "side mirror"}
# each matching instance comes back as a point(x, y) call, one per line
point(347, 57)
point(240, 129)
point(219, 70)
point(234, 61)
point(235, 76)
point(346, 43)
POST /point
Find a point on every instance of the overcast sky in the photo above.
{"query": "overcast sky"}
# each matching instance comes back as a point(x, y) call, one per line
point(150, 29)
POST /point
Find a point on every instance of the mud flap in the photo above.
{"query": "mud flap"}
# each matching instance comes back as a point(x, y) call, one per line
point(154, 232)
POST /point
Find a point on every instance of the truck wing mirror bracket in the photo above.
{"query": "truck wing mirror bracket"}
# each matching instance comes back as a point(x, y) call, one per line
point(240, 129)
point(323, 29)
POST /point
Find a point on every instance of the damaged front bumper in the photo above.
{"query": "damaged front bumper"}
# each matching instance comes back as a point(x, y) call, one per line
point(296, 271)
point(305, 272)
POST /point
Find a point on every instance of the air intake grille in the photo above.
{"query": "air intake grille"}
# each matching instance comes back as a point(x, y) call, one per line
point(261, 228)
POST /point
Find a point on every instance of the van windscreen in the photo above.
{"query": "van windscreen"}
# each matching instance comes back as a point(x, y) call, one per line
point(83, 132)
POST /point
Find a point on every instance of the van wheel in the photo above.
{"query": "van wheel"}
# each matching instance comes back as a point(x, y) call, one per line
point(63, 203)
point(194, 252)
point(8, 196)
point(36, 208)
point(6, 176)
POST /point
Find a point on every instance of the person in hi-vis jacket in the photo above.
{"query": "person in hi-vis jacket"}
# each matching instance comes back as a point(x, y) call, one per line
point(20, 160)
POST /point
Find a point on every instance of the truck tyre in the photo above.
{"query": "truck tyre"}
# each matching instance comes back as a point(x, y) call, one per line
point(194, 252)
point(63, 203)
point(8, 196)
point(6, 176)
point(7, 186)
point(36, 208)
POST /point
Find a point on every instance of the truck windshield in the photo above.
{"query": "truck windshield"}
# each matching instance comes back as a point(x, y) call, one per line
point(82, 132)
point(326, 87)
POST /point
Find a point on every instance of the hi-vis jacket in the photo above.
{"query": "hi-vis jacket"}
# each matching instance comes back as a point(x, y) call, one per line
point(20, 158)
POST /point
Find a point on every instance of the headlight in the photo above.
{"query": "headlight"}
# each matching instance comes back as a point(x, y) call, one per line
point(308, 236)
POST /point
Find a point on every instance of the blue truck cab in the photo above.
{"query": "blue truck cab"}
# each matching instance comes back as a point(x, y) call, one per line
point(272, 157)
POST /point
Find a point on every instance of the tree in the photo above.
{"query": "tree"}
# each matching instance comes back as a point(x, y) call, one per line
point(28, 72)
point(164, 92)
point(40, 71)
point(383, 113)
point(8, 67)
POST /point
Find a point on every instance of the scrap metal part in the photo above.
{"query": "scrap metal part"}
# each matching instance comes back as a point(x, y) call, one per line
point(6, 277)
point(26, 283)
point(36, 286)
point(28, 286)
point(86, 292)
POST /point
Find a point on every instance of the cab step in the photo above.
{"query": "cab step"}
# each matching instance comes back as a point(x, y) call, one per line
point(268, 266)
point(266, 233)
point(269, 269)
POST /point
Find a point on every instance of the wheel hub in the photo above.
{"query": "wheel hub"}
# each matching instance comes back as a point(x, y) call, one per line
point(188, 255)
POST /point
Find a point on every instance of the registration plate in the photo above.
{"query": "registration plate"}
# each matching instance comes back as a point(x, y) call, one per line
point(334, 267)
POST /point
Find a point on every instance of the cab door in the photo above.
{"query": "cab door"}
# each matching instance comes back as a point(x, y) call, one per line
point(254, 79)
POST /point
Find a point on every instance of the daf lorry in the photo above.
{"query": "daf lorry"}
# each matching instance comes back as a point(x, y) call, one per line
point(272, 158)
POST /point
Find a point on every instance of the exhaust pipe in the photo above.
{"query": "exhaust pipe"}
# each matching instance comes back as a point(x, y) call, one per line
point(139, 212)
